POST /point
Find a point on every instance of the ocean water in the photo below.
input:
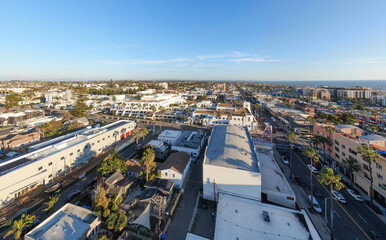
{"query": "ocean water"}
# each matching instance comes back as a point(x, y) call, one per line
point(374, 84)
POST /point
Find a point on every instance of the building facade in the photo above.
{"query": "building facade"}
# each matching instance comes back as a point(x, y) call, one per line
point(49, 159)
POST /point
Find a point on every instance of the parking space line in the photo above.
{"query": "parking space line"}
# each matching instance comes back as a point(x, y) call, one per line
point(337, 214)
point(362, 218)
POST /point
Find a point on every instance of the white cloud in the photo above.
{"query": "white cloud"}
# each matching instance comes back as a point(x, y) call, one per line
point(256, 59)
point(366, 61)
point(140, 62)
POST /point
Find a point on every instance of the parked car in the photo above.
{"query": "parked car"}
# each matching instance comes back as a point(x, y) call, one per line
point(317, 165)
point(72, 195)
point(374, 235)
point(300, 181)
point(285, 160)
point(355, 195)
point(317, 192)
point(315, 204)
point(139, 146)
point(337, 196)
point(312, 168)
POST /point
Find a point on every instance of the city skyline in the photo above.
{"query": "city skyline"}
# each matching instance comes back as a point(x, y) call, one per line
point(253, 41)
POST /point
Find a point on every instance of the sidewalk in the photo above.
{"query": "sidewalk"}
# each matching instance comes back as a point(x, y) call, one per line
point(303, 203)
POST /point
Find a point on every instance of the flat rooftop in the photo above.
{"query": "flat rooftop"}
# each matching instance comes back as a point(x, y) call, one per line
point(373, 138)
point(189, 139)
point(169, 134)
point(52, 146)
point(229, 146)
point(272, 178)
point(70, 222)
point(242, 218)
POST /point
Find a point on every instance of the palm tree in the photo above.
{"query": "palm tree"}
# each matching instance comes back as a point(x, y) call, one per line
point(137, 135)
point(331, 130)
point(313, 155)
point(218, 114)
point(368, 154)
point(51, 202)
point(147, 161)
point(351, 166)
point(229, 117)
point(327, 177)
point(18, 225)
point(312, 121)
point(291, 136)
point(144, 132)
point(243, 114)
point(374, 128)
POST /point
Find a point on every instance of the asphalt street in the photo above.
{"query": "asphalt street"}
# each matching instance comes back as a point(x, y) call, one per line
point(352, 220)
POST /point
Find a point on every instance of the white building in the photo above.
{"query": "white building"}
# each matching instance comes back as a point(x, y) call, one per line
point(245, 218)
point(169, 136)
point(71, 222)
point(230, 164)
point(175, 168)
point(147, 105)
point(49, 159)
point(190, 142)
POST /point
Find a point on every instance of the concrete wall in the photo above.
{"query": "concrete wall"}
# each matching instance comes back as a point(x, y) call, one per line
point(238, 182)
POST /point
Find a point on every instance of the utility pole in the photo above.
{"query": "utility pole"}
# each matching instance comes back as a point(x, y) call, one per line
point(214, 190)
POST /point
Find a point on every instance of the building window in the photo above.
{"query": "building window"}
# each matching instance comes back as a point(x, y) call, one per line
point(103, 139)
point(50, 163)
point(92, 144)
point(59, 170)
point(166, 174)
point(98, 141)
point(337, 149)
point(351, 158)
point(71, 154)
point(379, 166)
point(336, 142)
point(343, 154)
point(365, 166)
point(343, 146)
point(336, 155)
point(40, 168)
point(174, 175)
point(352, 151)
point(50, 176)
point(379, 176)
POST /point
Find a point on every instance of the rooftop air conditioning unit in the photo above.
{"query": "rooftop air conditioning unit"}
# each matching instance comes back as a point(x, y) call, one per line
point(266, 216)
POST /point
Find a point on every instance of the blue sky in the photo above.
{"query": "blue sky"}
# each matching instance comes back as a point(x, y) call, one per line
point(197, 39)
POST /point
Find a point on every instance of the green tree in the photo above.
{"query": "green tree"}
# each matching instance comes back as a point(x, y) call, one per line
point(368, 154)
point(121, 222)
point(104, 237)
point(291, 136)
point(147, 162)
point(327, 177)
point(80, 109)
point(101, 200)
point(374, 128)
point(111, 220)
point(313, 155)
point(112, 163)
point(351, 166)
point(144, 133)
point(12, 100)
point(18, 225)
point(106, 213)
point(52, 200)
point(229, 117)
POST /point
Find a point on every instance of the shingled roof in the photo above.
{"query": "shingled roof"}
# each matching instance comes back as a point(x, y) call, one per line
point(176, 161)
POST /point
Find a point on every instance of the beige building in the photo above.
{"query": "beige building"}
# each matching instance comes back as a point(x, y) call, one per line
point(49, 159)
point(347, 139)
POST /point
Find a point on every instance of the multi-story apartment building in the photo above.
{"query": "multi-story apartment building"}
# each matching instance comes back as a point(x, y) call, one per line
point(49, 159)
point(146, 105)
point(353, 93)
point(226, 114)
point(346, 140)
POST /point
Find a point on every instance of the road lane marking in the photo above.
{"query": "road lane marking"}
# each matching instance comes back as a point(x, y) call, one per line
point(337, 214)
point(362, 218)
